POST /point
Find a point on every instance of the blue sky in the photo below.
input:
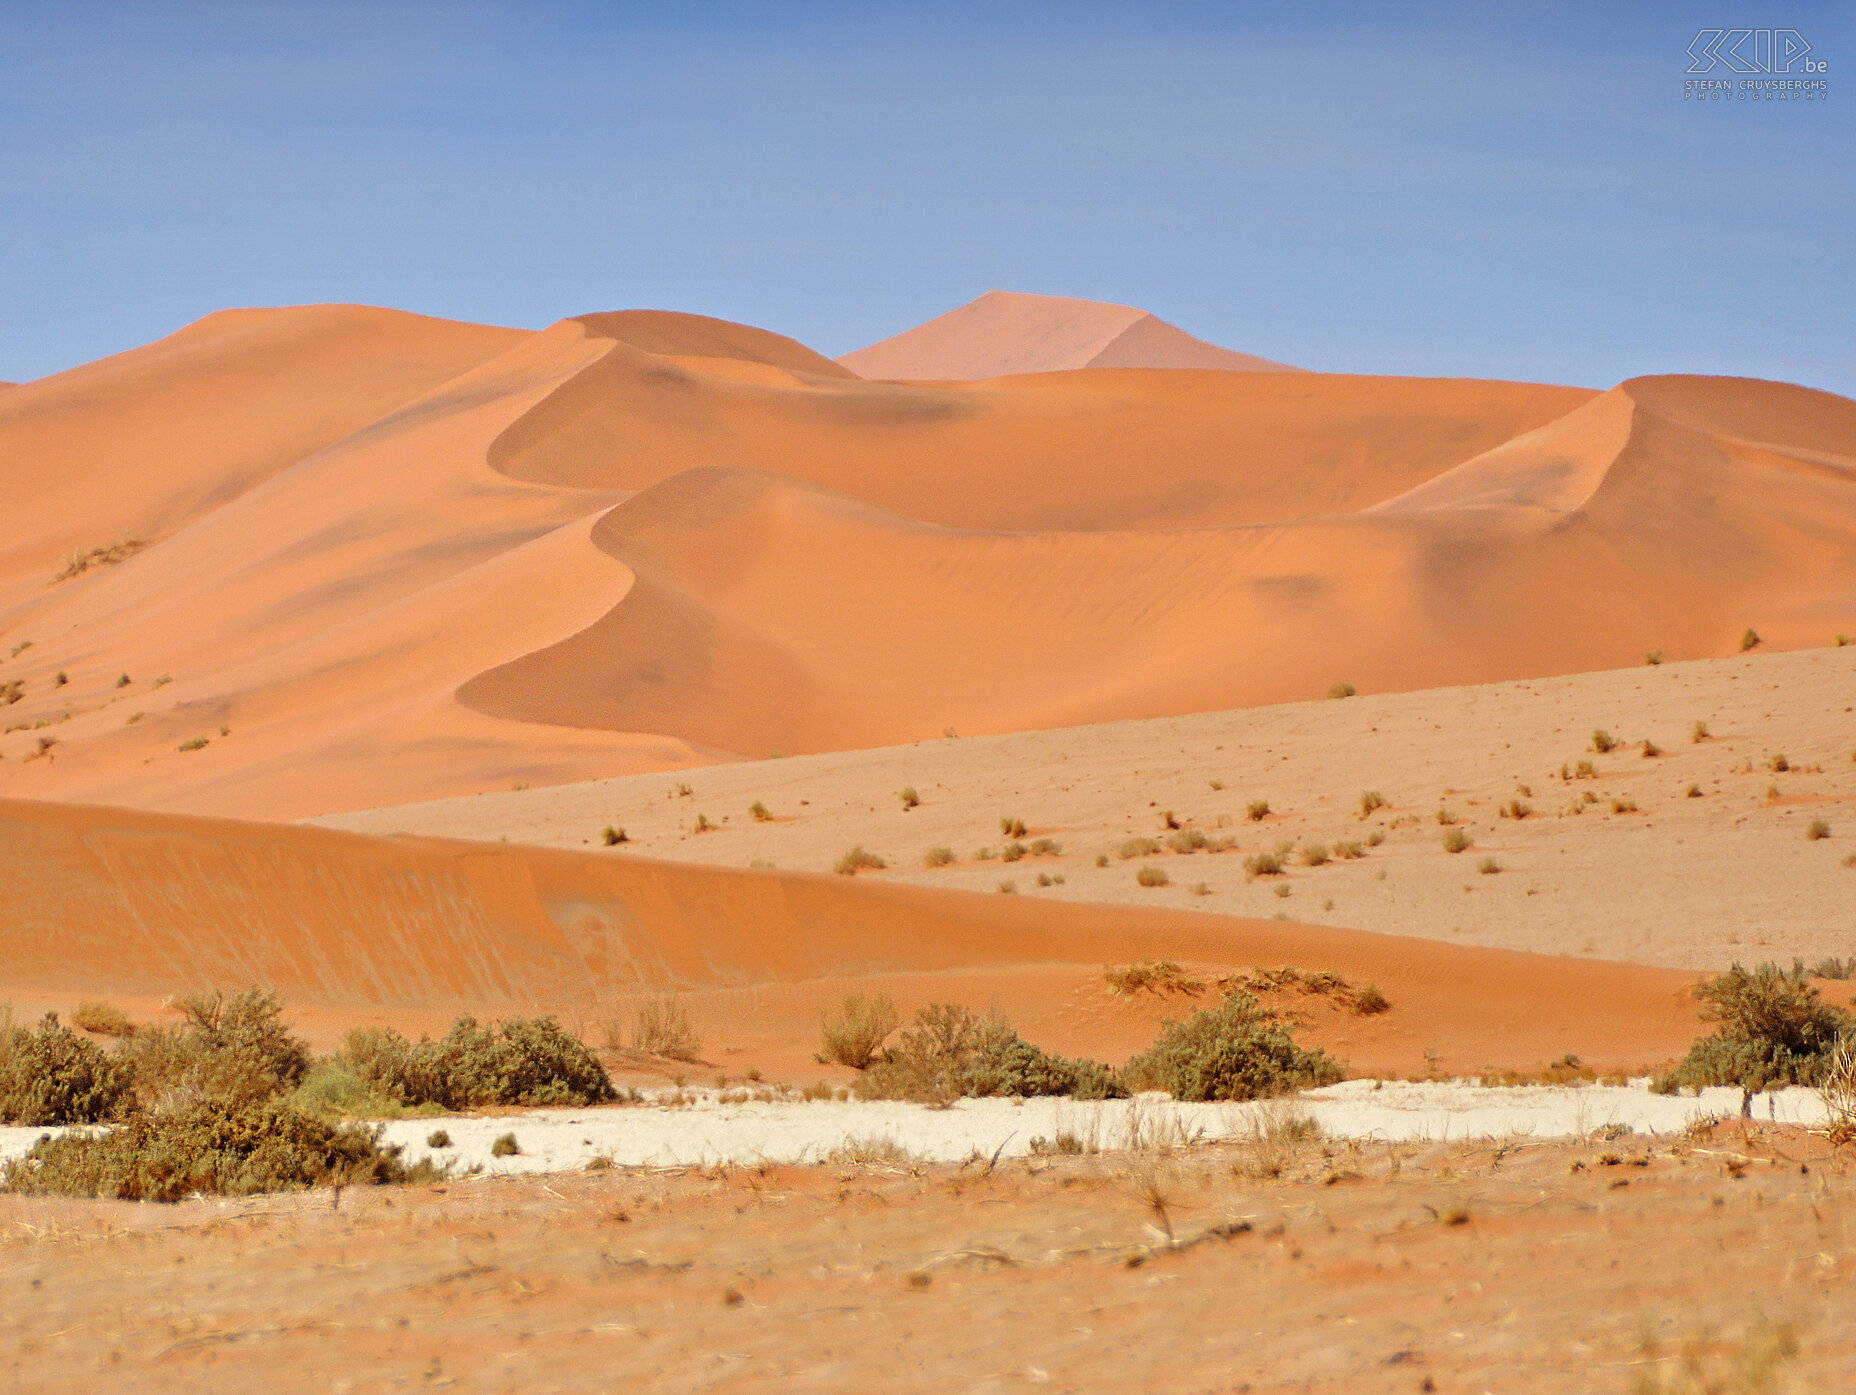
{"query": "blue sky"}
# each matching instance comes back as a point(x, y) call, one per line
point(1450, 191)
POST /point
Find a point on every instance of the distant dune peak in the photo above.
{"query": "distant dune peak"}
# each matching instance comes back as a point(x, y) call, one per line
point(1005, 332)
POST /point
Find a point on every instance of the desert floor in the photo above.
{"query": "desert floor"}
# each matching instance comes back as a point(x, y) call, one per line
point(1620, 865)
point(1574, 1266)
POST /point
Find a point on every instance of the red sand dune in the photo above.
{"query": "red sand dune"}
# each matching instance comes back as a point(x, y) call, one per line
point(393, 559)
point(1005, 332)
point(140, 905)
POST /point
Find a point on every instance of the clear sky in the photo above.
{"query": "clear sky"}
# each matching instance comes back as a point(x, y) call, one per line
point(1389, 189)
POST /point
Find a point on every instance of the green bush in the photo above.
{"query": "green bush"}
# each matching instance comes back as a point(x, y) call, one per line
point(1235, 1051)
point(212, 1147)
point(54, 1076)
point(952, 1052)
point(1770, 1030)
point(236, 1050)
point(520, 1060)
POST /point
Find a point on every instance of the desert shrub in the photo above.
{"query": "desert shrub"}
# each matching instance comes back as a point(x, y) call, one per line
point(1046, 847)
point(614, 835)
point(1650, 749)
point(759, 812)
point(1778, 764)
point(1838, 1088)
point(856, 860)
point(1149, 976)
point(1370, 1002)
point(853, 1035)
point(1012, 827)
point(1818, 829)
point(702, 825)
point(661, 1027)
point(54, 1076)
point(1342, 690)
point(1137, 847)
point(1101, 859)
point(520, 1060)
point(1168, 820)
point(1603, 741)
point(952, 1052)
point(1834, 968)
point(194, 743)
point(1012, 851)
point(212, 1147)
point(938, 857)
point(105, 1019)
point(1006, 887)
point(1204, 889)
point(1257, 810)
point(332, 1090)
point(505, 1146)
point(1314, 855)
point(1456, 840)
point(1262, 865)
point(1488, 867)
point(1516, 809)
point(236, 1050)
point(910, 799)
point(1371, 800)
point(1749, 639)
point(1445, 817)
point(1693, 792)
point(438, 1138)
point(1698, 733)
point(1770, 1029)
point(1187, 840)
point(1623, 804)
point(1347, 852)
point(1654, 657)
point(1152, 876)
point(1375, 838)
point(1235, 1051)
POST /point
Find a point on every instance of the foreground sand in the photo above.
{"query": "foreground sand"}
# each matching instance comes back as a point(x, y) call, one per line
point(1537, 1267)
point(1693, 882)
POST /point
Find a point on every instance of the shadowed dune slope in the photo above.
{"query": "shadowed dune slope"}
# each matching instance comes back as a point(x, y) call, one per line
point(1652, 517)
point(1006, 332)
point(112, 901)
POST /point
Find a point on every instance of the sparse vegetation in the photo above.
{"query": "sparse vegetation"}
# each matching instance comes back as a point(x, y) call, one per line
point(1257, 810)
point(1515, 809)
point(1101, 859)
point(1778, 764)
point(702, 825)
point(518, 1061)
point(1749, 639)
point(193, 743)
point(854, 1034)
point(1348, 852)
point(1692, 792)
point(1152, 876)
point(1488, 867)
point(1603, 741)
point(1371, 800)
point(1650, 749)
point(1013, 851)
point(54, 1076)
point(103, 1019)
point(84, 559)
point(1374, 839)
point(1262, 865)
point(952, 1052)
point(1137, 847)
point(910, 799)
point(614, 835)
point(235, 1049)
point(1456, 840)
point(938, 857)
point(759, 812)
point(1653, 658)
point(1012, 827)
point(1314, 855)
point(1158, 976)
point(858, 860)
point(661, 1027)
point(1046, 847)
point(1838, 1088)
point(1187, 841)
point(1006, 887)
point(1342, 690)
point(1817, 829)
point(1623, 804)
point(1770, 1029)
point(1235, 1051)
point(1698, 733)
point(505, 1146)
point(438, 1138)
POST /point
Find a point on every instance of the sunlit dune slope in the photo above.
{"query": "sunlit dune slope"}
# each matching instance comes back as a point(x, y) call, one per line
point(1005, 332)
point(112, 901)
point(137, 445)
point(1668, 515)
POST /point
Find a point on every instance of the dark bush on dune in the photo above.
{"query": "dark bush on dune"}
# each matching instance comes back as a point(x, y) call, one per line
point(952, 1052)
point(1235, 1051)
point(213, 1148)
point(54, 1076)
point(518, 1061)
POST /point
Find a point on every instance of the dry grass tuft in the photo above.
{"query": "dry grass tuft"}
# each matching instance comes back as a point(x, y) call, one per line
point(910, 799)
point(1456, 840)
point(1152, 876)
point(1603, 741)
point(856, 1032)
point(1818, 829)
point(857, 860)
point(1371, 800)
point(661, 1027)
point(1258, 810)
point(614, 835)
point(1012, 827)
point(1156, 976)
point(104, 1019)
point(83, 560)
point(938, 857)
point(1137, 847)
point(1262, 865)
point(1343, 690)
point(1488, 867)
point(759, 812)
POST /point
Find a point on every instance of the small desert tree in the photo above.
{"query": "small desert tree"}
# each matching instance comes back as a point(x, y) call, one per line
point(854, 1035)
point(1770, 1030)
